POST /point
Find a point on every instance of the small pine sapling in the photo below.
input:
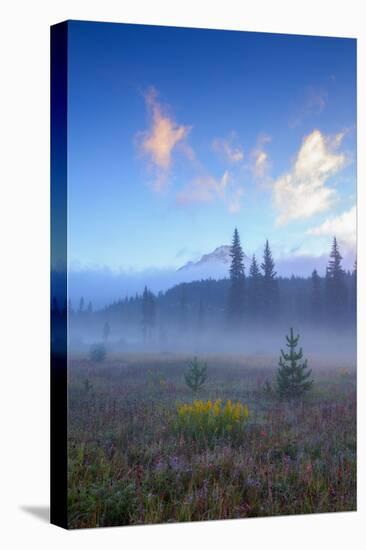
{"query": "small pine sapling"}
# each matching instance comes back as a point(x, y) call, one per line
point(293, 377)
point(196, 375)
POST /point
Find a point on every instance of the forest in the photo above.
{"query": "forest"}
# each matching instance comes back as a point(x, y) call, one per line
point(209, 314)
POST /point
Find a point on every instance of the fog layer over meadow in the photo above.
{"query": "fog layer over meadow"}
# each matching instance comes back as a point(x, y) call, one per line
point(248, 309)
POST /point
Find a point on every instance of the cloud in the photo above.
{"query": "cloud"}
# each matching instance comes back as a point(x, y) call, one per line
point(160, 140)
point(227, 149)
point(261, 163)
point(204, 189)
point(313, 103)
point(302, 192)
point(207, 189)
point(343, 227)
point(260, 158)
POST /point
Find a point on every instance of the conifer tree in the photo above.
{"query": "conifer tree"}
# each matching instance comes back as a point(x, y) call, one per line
point(270, 288)
point(336, 290)
point(237, 282)
point(81, 305)
point(334, 265)
point(293, 377)
point(254, 288)
point(196, 375)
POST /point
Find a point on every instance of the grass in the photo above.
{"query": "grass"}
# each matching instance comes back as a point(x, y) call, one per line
point(130, 464)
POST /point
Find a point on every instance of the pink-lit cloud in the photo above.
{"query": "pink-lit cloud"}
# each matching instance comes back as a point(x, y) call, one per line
point(159, 142)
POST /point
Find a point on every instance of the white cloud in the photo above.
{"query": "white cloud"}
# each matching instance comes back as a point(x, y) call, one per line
point(302, 192)
point(343, 227)
point(226, 147)
point(159, 142)
point(261, 162)
point(260, 158)
point(207, 189)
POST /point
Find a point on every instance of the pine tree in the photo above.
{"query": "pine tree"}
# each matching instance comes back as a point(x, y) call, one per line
point(270, 288)
point(336, 290)
point(196, 375)
point(237, 282)
point(334, 264)
point(293, 378)
point(254, 289)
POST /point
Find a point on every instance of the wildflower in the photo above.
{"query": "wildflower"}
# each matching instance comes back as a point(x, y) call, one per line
point(212, 417)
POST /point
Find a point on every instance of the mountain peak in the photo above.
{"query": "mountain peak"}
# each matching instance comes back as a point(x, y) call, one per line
point(220, 257)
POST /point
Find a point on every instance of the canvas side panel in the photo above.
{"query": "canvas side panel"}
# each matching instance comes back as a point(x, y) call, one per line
point(59, 274)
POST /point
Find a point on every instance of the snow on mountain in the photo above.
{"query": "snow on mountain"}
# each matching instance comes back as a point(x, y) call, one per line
point(213, 264)
point(220, 255)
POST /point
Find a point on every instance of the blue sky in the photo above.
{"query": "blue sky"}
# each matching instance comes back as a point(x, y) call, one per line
point(176, 136)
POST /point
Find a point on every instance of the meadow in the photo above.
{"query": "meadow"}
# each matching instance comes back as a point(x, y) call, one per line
point(132, 461)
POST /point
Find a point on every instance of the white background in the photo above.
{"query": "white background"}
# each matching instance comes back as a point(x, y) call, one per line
point(24, 256)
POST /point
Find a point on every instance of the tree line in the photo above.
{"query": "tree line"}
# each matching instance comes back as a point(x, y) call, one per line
point(242, 300)
point(331, 299)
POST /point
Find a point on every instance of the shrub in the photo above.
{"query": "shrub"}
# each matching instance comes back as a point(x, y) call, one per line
point(211, 418)
point(98, 353)
point(196, 375)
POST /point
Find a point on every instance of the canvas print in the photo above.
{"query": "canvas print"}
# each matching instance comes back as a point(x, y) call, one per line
point(203, 302)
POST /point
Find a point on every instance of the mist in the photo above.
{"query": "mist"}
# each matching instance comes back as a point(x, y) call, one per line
point(191, 318)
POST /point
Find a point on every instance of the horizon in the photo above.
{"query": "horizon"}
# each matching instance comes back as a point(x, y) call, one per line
point(104, 286)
